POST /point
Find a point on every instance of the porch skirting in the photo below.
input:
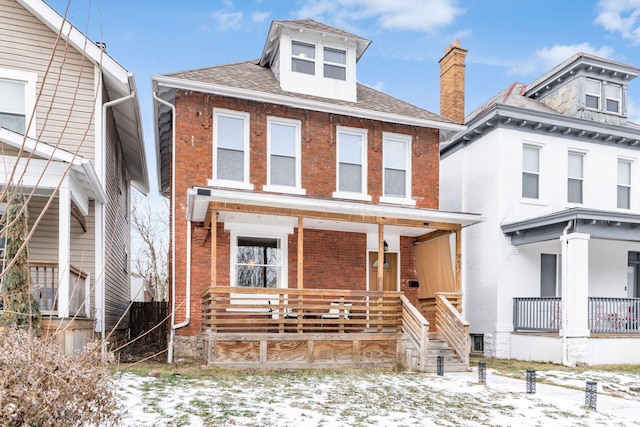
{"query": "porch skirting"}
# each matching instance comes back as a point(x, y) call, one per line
point(70, 334)
point(598, 349)
point(301, 350)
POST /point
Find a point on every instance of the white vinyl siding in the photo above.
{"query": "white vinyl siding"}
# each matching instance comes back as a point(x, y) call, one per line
point(231, 153)
point(283, 153)
point(396, 152)
point(575, 178)
point(624, 184)
point(530, 172)
point(67, 99)
point(351, 176)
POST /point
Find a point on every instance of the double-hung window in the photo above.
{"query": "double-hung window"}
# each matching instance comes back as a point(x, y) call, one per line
point(396, 151)
point(352, 163)
point(593, 93)
point(12, 105)
point(284, 155)
point(530, 172)
point(231, 153)
point(335, 63)
point(624, 184)
point(575, 177)
point(303, 57)
point(613, 96)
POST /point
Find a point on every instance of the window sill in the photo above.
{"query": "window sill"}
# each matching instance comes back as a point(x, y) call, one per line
point(229, 184)
point(397, 200)
point(284, 189)
point(351, 196)
point(537, 202)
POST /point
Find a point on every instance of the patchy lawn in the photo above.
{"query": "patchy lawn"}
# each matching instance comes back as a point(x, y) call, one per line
point(195, 396)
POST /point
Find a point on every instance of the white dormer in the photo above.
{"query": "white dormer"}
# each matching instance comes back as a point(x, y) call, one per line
point(311, 58)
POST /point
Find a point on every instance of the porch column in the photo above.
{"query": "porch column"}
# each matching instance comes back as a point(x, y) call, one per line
point(575, 296)
point(300, 253)
point(64, 247)
point(380, 273)
point(458, 260)
point(214, 245)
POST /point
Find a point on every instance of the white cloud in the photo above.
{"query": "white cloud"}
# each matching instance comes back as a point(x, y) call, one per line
point(620, 16)
point(227, 20)
point(548, 57)
point(411, 15)
point(260, 16)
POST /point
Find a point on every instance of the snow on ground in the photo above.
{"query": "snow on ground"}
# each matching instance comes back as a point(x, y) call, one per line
point(376, 398)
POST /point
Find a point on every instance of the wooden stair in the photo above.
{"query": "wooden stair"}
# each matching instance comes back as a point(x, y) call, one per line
point(436, 347)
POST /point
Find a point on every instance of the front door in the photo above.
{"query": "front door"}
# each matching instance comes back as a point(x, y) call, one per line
point(389, 271)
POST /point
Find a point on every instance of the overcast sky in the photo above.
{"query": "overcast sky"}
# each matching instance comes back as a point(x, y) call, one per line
point(507, 40)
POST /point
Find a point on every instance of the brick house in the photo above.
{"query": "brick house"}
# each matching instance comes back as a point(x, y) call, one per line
point(287, 178)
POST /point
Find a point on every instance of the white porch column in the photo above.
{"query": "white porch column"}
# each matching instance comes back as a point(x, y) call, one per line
point(575, 297)
point(64, 248)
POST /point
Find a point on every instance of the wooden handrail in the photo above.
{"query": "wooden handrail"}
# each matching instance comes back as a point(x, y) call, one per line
point(416, 327)
point(237, 309)
point(452, 326)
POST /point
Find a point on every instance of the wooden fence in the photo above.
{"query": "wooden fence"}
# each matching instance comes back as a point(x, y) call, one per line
point(143, 318)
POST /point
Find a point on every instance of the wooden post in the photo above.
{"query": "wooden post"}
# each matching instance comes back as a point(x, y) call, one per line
point(214, 242)
point(300, 253)
point(380, 274)
point(458, 260)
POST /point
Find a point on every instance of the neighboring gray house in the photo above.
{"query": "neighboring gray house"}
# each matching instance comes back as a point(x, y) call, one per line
point(554, 273)
point(71, 141)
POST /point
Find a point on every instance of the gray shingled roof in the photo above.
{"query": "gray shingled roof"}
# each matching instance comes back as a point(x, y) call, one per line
point(310, 24)
point(511, 95)
point(250, 76)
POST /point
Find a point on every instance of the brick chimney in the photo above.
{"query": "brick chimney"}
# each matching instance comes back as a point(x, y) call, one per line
point(452, 82)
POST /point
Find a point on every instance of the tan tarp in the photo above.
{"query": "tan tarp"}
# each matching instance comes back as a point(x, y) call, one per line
point(433, 262)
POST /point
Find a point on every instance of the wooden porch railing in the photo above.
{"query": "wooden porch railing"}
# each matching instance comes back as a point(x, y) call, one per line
point(451, 325)
point(44, 286)
point(614, 315)
point(288, 310)
point(416, 327)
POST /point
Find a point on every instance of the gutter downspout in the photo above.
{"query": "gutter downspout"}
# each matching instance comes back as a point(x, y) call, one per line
point(173, 233)
point(563, 297)
point(103, 178)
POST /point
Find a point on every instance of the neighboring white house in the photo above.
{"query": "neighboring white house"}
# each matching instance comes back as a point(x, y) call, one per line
point(553, 273)
point(71, 142)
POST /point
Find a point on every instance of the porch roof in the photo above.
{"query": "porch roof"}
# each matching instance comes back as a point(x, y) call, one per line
point(278, 210)
point(598, 224)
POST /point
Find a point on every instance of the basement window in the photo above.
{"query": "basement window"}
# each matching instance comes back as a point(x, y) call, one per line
point(477, 343)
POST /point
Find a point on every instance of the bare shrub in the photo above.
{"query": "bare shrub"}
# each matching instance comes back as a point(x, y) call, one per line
point(41, 387)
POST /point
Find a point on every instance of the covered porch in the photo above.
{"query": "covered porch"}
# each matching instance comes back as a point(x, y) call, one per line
point(583, 306)
point(61, 191)
point(361, 314)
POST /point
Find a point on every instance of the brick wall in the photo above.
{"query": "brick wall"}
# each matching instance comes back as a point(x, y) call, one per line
point(345, 251)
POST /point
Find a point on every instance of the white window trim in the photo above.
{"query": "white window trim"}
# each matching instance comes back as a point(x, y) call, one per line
point(214, 182)
point(335, 64)
point(599, 95)
point(315, 60)
point(407, 200)
point(251, 230)
point(631, 163)
point(583, 154)
point(606, 98)
point(298, 155)
point(362, 195)
point(528, 200)
point(30, 79)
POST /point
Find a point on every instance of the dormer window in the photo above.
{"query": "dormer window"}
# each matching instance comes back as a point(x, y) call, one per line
point(303, 58)
point(592, 94)
point(335, 63)
point(613, 95)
